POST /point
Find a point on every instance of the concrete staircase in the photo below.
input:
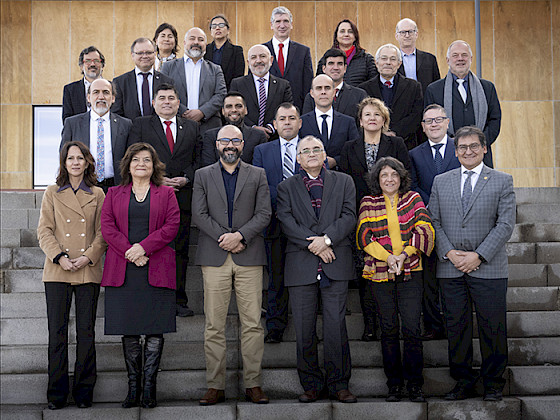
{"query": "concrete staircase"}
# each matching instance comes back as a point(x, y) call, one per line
point(533, 376)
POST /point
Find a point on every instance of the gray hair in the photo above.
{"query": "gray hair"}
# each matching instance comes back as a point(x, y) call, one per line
point(457, 42)
point(406, 20)
point(308, 138)
point(393, 46)
point(281, 10)
point(195, 27)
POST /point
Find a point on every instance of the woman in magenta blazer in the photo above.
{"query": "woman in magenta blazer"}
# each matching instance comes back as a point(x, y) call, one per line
point(139, 220)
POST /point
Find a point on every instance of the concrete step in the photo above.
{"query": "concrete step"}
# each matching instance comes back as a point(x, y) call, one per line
point(533, 253)
point(545, 195)
point(538, 213)
point(536, 232)
point(540, 408)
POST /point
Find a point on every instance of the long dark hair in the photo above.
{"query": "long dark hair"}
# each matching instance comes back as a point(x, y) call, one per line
point(63, 178)
point(133, 150)
point(392, 163)
point(162, 28)
point(356, 35)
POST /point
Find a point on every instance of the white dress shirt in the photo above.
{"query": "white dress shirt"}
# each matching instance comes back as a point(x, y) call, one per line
point(383, 80)
point(173, 127)
point(443, 142)
point(276, 46)
point(319, 119)
point(86, 85)
point(109, 170)
point(140, 81)
point(192, 76)
point(474, 177)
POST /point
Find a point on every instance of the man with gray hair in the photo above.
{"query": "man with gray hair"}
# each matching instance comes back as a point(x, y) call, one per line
point(200, 83)
point(292, 61)
point(467, 99)
point(403, 96)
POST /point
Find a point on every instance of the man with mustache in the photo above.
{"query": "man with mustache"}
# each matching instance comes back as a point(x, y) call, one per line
point(74, 98)
point(104, 132)
point(200, 82)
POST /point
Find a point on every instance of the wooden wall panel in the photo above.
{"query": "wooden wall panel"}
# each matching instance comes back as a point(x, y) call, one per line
point(487, 41)
point(91, 23)
point(555, 14)
point(304, 24)
point(327, 16)
point(423, 13)
point(376, 22)
point(253, 21)
point(15, 56)
point(204, 11)
point(517, 50)
point(180, 14)
point(55, 19)
point(531, 177)
point(16, 155)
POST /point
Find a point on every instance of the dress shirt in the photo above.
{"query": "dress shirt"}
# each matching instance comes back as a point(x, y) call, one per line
point(217, 55)
point(173, 127)
point(443, 142)
point(275, 45)
point(383, 80)
point(230, 180)
point(465, 85)
point(293, 148)
point(266, 78)
point(86, 85)
point(192, 74)
point(474, 176)
point(109, 170)
point(319, 119)
point(339, 87)
point(409, 63)
point(140, 81)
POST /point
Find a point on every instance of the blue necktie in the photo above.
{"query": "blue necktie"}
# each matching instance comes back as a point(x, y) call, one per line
point(324, 129)
point(467, 190)
point(438, 160)
point(100, 163)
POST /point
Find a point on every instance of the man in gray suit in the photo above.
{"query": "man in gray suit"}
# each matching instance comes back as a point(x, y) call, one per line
point(473, 213)
point(102, 131)
point(231, 208)
point(317, 212)
point(200, 83)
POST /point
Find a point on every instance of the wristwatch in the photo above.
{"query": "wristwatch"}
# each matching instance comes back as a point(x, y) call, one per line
point(328, 241)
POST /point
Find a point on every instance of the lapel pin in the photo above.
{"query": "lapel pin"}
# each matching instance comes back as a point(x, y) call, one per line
point(485, 177)
point(115, 120)
point(180, 127)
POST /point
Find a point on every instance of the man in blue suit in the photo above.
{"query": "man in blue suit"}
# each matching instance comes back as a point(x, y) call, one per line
point(278, 158)
point(432, 158)
point(333, 128)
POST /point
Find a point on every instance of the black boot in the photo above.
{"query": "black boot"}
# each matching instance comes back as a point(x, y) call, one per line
point(133, 358)
point(369, 328)
point(152, 357)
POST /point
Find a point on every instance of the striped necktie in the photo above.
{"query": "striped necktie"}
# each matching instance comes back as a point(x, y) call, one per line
point(262, 101)
point(288, 167)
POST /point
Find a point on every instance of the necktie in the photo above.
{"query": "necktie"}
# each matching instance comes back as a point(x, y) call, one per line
point(324, 129)
point(462, 90)
point(335, 95)
point(100, 162)
point(169, 135)
point(146, 103)
point(288, 167)
point(467, 190)
point(438, 160)
point(262, 101)
point(281, 58)
point(388, 84)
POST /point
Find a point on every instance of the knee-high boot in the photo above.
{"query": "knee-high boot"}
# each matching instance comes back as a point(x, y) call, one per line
point(133, 358)
point(152, 357)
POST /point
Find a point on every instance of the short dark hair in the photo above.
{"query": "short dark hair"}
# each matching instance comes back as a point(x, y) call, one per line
point(469, 130)
point(162, 28)
point(140, 40)
point(166, 86)
point(88, 50)
point(287, 105)
point(334, 52)
point(356, 35)
point(218, 16)
point(63, 178)
point(392, 163)
point(434, 106)
point(133, 150)
point(236, 94)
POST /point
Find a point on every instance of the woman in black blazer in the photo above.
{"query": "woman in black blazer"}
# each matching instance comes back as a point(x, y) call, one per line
point(357, 159)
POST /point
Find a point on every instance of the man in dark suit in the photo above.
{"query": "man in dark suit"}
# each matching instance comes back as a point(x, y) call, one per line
point(317, 211)
point(473, 213)
point(467, 99)
point(262, 91)
point(292, 60)
point(222, 52)
point(431, 158)
point(200, 82)
point(134, 89)
point(403, 96)
point(333, 128)
point(278, 158)
point(231, 208)
point(234, 112)
point(175, 140)
point(102, 131)
point(347, 97)
point(74, 97)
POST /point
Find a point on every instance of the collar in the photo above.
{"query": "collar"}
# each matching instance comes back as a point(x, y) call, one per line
point(86, 82)
point(443, 141)
point(408, 55)
point(236, 168)
point(137, 71)
point(173, 120)
point(94, 116)
point(83, 186)
point(319, 113)
point(466, 78)
point(294, 141)
point(383, 80)
point(477, 170)
point(339, 87)
point(276, 43)
point(265, 77)
point(187, 59)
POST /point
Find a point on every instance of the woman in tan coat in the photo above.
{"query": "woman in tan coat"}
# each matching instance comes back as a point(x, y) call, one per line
point(69, 234)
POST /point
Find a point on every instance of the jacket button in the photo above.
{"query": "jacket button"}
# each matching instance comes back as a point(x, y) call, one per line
point(67, 250)
point(68, 220)
point(67, 234)
point(83, 220)
point(82, 250)
point(83, 234)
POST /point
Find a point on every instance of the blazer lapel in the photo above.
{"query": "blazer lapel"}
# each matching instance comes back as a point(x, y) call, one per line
point(277, 157)
point(360, 152)
point(242, 176)
point(180, 64)
point(250, 86)
point(456, 188)
point(227, 52)
point(216, 174)
point(304, 196)
point(429, 157)
point(448, 155)
point(133, 89)
point(482, 181)
point(203, 76)
point(328, 186)
point(157, 127)
point(114, 130)
point(155, 207)
point(399, 90)
point(272, 89)
point(69, 199)
point(291, 56)
point(180, 140)
point(84, 128)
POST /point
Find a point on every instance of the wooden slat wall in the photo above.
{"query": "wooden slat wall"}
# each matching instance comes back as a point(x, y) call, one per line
point(520, 55)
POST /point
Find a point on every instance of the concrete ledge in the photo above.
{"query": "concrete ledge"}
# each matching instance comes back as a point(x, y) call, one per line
point(554, 275)
point(17, 199)
point(538, 213)
point(534, 380)
point(5, 258)
point(14, 219)
point(98, 411)
point(532, 299)
point(379, 409)
point(22, 412)
point(521, 253)
point(24, 281)
point(527, 275)
point(28, 258)
point(190, 410)
point(475, 409)
point(540, 408)
point(10, 238)
point(285, 410)
point(548, 252)
point(537, 195)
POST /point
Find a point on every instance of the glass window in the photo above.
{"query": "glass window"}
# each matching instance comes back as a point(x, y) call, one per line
point(47, 127)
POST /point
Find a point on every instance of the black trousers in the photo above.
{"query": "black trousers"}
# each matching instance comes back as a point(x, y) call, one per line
point(404, 298)
point(59, 299)
point(277, 306)
point(433, 320)
point(182, 242)
point(489, 298)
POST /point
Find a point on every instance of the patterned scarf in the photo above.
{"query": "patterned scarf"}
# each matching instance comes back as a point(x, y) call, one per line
point(315, 189)
point(350, 54)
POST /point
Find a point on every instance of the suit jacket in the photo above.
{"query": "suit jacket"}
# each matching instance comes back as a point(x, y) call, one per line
point(164, 224)
point(343, 130)
point(346, 102)
point(353, 160)
point(423, 167)
point(126, 95)
point(209, 153)
point(233, 62)
point(211, 93)
point(279, 91)
point(74, 99)
point(427, 70)
point(251, 214)
point(182, 162)
point(76, 128)
point(463, 114)
point(298, 70)
point(485, 227)
point(406, 111)
point(337, 219)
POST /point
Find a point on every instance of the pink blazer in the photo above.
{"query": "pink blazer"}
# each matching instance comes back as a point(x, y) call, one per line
point(164, 224)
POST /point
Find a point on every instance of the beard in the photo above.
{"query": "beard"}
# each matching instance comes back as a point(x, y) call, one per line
point(195, 53)
point(100, 107)
point(230, 158)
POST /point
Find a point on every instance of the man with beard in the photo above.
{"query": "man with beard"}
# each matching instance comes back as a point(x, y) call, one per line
point(234, 112)
point(74, 98)
point(175, 140)
point(200, 83)
point(231, 208)
point(263, 91)
point(102, 131)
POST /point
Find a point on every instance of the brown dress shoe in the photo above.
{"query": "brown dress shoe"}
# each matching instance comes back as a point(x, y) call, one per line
point(213, 396)
point(309, 396)
point(344, 396)
point(256, 395)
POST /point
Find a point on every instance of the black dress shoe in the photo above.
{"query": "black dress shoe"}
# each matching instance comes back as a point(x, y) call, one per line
point(491, 394)
point(274, 337)
point(344, 396)
point(432, 335)
point(460, 392)
point(83, 404)
point(309, 396)
point(183, 310)
point(56, 405)
point(415, 394)
point(395, 393)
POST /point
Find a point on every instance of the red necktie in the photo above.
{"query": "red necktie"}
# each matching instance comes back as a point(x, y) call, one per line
point(388, 84)
point(281, 58)
point(335, 94)
point(169, 135)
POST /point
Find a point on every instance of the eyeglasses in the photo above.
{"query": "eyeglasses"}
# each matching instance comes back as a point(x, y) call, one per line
point(225, 141)
point(438, 120)
point(315, 151)
point(94, 61)
point(146, 53)
point(217, 25)
point(475, 147)
point(403, 33)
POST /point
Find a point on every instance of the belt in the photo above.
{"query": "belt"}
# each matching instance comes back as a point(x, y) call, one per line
point(107, 182)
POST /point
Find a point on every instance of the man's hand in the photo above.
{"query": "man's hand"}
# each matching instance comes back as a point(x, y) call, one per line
point(238, 249)
point(317, 244)
point(134, 252)
point(331, 162)
point(193, 114)
point(230, 241)
point(327, 256)
point(469, 262)
point(80, 262)
point(267, 131)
